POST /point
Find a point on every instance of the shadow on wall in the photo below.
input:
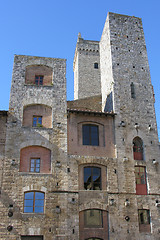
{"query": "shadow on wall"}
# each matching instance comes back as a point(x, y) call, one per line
point(109, 103)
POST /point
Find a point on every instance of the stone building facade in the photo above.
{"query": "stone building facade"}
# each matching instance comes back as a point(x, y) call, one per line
point(88, 168)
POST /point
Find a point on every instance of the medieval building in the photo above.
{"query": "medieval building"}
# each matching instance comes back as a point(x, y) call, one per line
point(88, 168)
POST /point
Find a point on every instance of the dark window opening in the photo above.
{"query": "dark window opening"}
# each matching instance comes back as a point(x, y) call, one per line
point(144, 220)
point(32, 237)
point(37, 121)
point(33, 202)
point(93, 218)
point(90, 135)
point(132, 90)
point(92, 178)
point(35, 165)
point(39, 80)
point(138, 148)
point(96, 65)
point(94, 238)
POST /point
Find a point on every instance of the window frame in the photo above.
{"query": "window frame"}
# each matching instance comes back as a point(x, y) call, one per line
point(144, 226)
point(35, 164)
point(93, 226)
point(138, 149)
point(34, 200)
point(37, 120)
point(90, 135)
point(96, 65)
point(92, 175)
point(39, 78)
point(141, 188)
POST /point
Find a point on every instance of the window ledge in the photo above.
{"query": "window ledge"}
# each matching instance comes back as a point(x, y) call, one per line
point(33, 214)
point(34, 85)
point(40, 128)
point(34, 174)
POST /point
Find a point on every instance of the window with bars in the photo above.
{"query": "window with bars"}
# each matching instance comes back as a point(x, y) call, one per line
point(37, 121)
point(35, 165)
point(90, 135)
point(92, 178)
point(33, 202)
point(39, 79)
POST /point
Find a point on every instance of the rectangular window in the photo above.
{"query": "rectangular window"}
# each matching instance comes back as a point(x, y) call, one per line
point(33, 202)
point(90, 135)
point(37, 121)
point(39, 80)
point(93, 218)
point(35, 165)
point(132, 90)
point(144, 220)
point(92, 178)
point(141, 185)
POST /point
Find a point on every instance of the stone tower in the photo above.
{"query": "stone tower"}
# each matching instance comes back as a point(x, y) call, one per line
point(36, 144)
point(86, 66)
point(88, 168)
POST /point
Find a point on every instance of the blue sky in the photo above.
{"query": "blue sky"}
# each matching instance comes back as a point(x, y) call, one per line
point(49, 28)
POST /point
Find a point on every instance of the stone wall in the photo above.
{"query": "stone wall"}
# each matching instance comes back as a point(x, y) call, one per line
point(86, 76)
point(3, 121)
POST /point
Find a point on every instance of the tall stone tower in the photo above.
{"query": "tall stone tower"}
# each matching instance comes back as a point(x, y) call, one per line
point(88, 168)
point(86, 66)
point(128, 92)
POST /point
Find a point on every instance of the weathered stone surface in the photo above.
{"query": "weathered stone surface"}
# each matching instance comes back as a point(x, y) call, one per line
point(118, 98)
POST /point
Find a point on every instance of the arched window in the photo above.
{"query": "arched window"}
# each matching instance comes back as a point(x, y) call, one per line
point(35, 159)
point(137, 148)
point(33, 202)
point(37, 116)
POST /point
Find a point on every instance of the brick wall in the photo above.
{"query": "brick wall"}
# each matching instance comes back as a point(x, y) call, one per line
point(106, 135)
point(35, 152)
point(37, 110)
point(45, 71)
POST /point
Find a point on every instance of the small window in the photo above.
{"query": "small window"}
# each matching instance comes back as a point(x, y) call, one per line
point(132, 90)
point(38, 79)
point(92, 178)
point(35, 165)
point(33, 202)
point(93, 218)
point(37, 121)
point(137, 148)
point(96, 65)
point(90, 135)
point(144, 220)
